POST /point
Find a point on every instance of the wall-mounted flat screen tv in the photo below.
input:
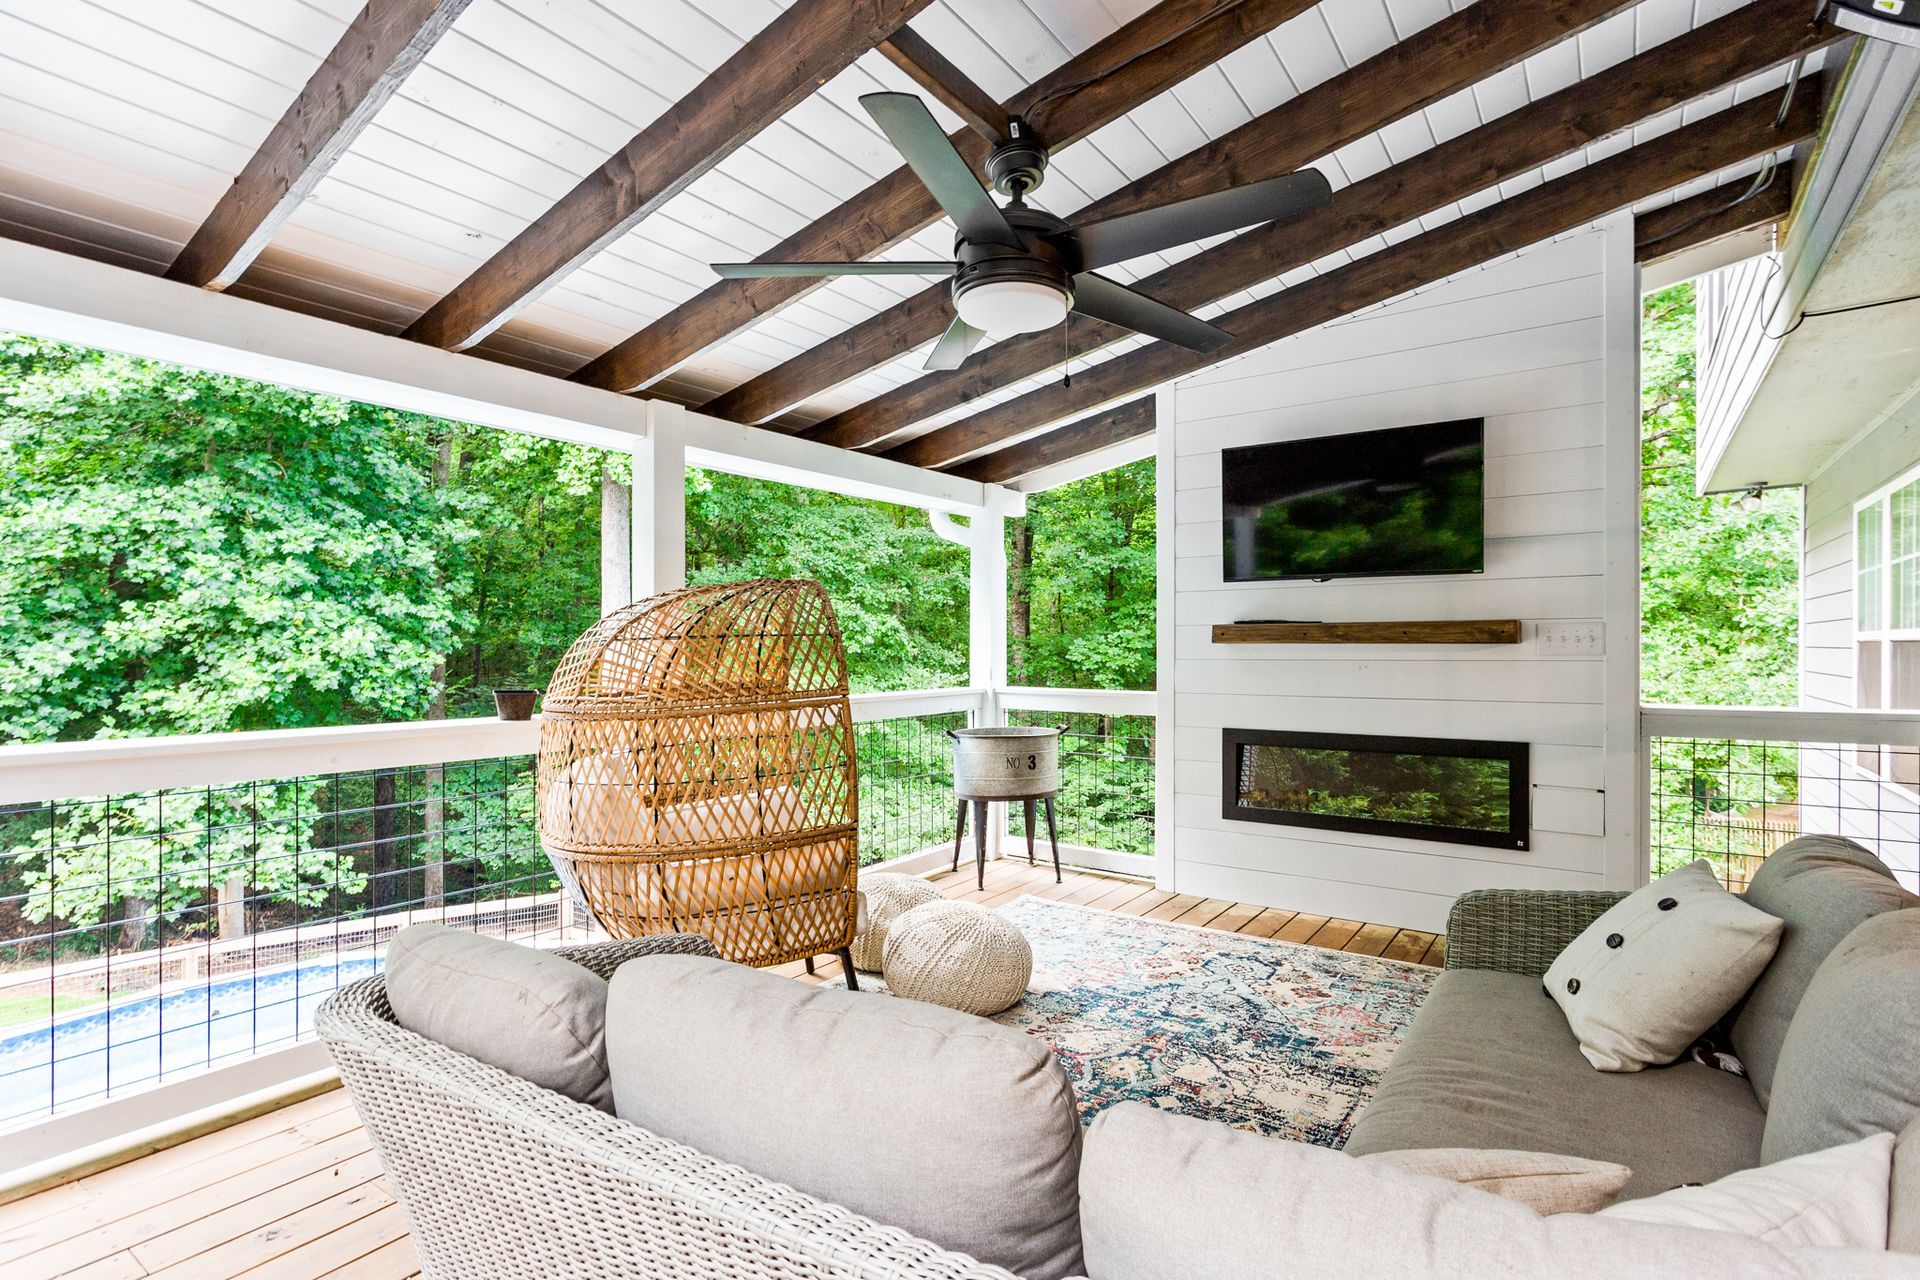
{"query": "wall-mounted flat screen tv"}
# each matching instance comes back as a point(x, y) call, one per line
point(1403, 501)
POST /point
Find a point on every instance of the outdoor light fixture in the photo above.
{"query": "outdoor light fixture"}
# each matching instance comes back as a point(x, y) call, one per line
point(1012, 306)
point(1750, 500)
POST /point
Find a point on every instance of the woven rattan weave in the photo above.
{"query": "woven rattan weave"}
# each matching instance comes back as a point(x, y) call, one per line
point(697, 771)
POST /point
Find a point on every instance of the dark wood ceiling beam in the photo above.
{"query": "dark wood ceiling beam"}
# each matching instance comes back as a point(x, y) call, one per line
point(1122, 422)
point(1721, 140)
point(1154, 52)
point(790, 58)
point(1443, 58)
point(1763, 34)
point(1712, 215)
point(384, 42)
point(930, 69)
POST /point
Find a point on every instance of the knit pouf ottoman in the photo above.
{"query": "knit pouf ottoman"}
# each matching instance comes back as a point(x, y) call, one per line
point(888, 893)
point(958, 954)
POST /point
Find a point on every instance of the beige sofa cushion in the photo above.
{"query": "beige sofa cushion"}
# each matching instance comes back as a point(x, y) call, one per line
point(954, 1128)
point(1836, 1199)
point(1641, 983)
point(528, 1013)
point(1822, 887)
point(1489, 1062)
point(1223, 1204)
point(1848, 1067)
point(1543, 1182)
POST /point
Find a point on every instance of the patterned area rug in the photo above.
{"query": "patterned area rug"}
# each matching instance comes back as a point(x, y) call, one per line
point(1277, 1037)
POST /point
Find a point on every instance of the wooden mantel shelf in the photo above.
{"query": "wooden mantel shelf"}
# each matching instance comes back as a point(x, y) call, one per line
point(1476, 631)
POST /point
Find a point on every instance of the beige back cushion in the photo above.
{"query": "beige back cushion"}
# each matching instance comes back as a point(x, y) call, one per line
point(1165, 1197)
point(959, 1130)
point(528, 1013)
point(1848, 1067)
point(1822, 887)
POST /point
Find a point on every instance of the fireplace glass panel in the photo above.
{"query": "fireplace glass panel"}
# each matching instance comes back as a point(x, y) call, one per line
point(1469, 792)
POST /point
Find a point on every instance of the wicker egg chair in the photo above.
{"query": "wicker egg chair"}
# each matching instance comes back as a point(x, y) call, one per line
point(697, 775)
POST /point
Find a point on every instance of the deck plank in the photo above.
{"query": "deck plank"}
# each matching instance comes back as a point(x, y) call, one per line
point(297, 1194)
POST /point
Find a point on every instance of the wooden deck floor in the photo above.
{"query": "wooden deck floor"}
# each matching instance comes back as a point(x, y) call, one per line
point(298, 1193)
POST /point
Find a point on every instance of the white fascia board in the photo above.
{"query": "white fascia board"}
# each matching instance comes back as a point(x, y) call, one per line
point(1690, 264)
point(73, 299)
point(771, 455)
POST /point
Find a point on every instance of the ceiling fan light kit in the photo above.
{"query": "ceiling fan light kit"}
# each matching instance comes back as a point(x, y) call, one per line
point(1012, 306)
point(1019, 269)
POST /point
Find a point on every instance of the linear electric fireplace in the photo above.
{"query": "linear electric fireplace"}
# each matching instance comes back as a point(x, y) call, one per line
point(1458, 791)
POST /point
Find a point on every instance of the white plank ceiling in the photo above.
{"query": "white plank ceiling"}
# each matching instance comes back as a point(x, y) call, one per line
point(122, 121)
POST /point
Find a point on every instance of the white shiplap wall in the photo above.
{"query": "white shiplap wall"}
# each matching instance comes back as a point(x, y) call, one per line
point(1524, 344)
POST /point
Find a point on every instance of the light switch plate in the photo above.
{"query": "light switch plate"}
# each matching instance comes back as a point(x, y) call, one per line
point(1571, 639)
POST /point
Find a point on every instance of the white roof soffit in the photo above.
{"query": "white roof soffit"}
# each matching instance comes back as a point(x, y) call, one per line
point(1831, 365)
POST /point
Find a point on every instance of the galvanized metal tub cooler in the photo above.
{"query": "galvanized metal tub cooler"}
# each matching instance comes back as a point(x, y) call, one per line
point(1004, 762)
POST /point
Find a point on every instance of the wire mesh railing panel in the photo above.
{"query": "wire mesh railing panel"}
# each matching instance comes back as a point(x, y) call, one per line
point(1735, 801)
point(148, 934)
point(1106, 780)
point(906, 784)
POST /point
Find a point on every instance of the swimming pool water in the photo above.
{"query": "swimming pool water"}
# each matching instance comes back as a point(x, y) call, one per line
point(81, 1057)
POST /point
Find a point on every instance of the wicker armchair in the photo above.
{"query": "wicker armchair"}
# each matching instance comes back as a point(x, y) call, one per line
point(503, 1180)
point(1519, 930)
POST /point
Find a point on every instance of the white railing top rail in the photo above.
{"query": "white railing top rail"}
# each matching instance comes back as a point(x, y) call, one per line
point(1111, 702)
point(868, 707)
point(39, 772)
point(1782, 724)
point(107, 766)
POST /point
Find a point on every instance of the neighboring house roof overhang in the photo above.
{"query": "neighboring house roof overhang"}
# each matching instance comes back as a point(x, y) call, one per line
point(1806, 350)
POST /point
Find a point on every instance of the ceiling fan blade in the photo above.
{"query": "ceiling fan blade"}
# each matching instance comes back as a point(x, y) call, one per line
point(1129, 235)
point(955, 345)
point(754, 270)
point(911, 128)
point(1102, 299)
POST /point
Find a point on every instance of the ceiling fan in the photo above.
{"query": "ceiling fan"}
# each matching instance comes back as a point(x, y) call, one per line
point(1018, 269)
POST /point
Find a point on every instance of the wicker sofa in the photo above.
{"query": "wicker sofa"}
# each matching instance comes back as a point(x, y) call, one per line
point(502, 1179)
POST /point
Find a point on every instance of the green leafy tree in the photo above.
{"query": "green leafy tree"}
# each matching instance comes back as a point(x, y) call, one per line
point(1081, 578)
point(184, 552)
point(1719, 577)
point(899, 590)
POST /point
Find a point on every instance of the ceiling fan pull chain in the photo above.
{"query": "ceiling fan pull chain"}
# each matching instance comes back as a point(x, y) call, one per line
point(1066, 349)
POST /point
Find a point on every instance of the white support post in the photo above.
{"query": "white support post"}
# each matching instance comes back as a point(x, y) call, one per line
point(660, 503)
point(1625, 770)
point(987, 634)
point(1165, 854)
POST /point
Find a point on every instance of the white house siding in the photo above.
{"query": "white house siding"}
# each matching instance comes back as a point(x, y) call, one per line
point(1522, 343)
point(1834, 795)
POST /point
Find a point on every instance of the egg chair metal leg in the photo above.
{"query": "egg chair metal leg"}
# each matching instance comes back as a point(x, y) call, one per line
point(846, 967)
point(809, 964)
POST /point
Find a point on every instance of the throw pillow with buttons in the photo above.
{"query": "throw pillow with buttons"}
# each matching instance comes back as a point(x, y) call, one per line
point(1659, 968)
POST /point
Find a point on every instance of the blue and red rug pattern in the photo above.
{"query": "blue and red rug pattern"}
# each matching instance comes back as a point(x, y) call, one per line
point(1276, 1037)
